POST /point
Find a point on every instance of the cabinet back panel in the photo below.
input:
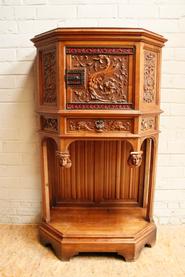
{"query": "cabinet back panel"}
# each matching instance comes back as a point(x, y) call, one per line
point(99, 174)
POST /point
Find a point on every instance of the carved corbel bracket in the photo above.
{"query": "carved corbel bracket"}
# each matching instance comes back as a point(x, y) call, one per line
point(135, 159)
point(64, 159)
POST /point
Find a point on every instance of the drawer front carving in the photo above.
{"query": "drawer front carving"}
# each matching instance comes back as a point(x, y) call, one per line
point(99, 125)
point(148, 124)
point(98, 76)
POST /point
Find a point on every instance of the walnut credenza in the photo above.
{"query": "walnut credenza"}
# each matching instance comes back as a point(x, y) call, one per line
point(98, 104)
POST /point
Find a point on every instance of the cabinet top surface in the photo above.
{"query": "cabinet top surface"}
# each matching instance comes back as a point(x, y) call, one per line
point(88, 33)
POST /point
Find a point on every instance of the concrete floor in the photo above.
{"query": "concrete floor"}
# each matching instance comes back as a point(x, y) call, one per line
point(21, 255)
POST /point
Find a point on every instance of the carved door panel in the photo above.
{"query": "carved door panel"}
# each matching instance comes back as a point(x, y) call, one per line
point(98, 78)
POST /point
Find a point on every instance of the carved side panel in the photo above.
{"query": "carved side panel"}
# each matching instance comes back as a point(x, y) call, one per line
point(99, 125)
point(49, 123)
point(106, 75)
point(150, 71)
point(48, 58)
point(148, 124)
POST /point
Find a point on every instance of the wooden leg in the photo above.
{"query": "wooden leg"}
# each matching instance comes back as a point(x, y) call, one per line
point(131, 255)
point(131, 252)
point(67, 253)
point(131, 258)
point(149, 210)
point(56, 246)
point(45, 183)
point(151, 242)
point(64, 253)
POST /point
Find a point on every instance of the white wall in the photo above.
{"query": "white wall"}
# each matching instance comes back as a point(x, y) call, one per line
point(20, 20)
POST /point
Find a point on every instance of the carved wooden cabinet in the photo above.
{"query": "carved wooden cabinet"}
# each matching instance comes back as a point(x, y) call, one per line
point(98, 104)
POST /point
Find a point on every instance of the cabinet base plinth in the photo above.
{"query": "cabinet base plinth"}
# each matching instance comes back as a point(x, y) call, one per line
point(66, 244)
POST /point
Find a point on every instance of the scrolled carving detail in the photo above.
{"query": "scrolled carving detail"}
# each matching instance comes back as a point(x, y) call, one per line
point(64, 159)
point(106, 125)
point(121, 125)
point(106, 78)
point(82, 125)
point(150, 62)
point(135, 159)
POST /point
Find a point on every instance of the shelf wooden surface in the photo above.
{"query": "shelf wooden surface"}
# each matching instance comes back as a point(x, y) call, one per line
point(106, 222)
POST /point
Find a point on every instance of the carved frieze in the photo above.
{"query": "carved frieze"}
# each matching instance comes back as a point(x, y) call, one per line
point(147, 123)
point(49, 76)
point(49, 123)
point(98, 106)
point(97, 50)
point(150, 67)
point(99, 125)
point(106, 74)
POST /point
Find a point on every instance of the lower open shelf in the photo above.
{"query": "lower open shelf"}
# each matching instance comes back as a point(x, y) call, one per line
point(121, 230)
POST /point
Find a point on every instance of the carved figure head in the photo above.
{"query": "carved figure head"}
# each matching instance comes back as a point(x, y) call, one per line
point(135, 159)
point(64, 159)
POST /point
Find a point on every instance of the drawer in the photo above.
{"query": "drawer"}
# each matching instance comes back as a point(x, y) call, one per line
point(99, 125)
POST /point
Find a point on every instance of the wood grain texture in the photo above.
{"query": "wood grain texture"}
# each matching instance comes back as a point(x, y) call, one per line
point(99, 106)
point(100, 174)
point(48, 65)
point(33, 260)
point(99, 125)
point(124, 231)
point(115, 222)
point(105, 78)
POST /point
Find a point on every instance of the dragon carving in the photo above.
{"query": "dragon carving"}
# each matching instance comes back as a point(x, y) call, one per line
point(107, 78)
